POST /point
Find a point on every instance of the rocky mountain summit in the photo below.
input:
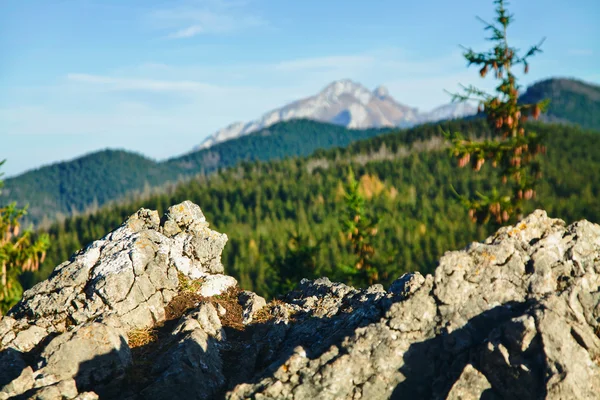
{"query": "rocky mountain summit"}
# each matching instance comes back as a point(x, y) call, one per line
point(345, 103)
point(147, 313)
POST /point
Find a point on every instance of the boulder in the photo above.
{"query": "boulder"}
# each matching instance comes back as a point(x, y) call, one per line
point(73, 326)
point(131, 273)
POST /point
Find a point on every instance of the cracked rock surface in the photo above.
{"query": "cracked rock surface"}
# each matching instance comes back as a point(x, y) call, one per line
point(84, 310)
point(514, 317)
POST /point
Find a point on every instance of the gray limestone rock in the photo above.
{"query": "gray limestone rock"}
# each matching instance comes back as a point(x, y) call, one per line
point(66, 389)
point(86, 396)
point(471, 385)
point(192, 366)
point(91, 354)
point(6, 324)
point(27, 339)
point(515, 316)
point(213, 285)
point(15, 376)
point(125, 273)
point(251, 303)
point(18, 385)
point(74, 325)
point(407, 284)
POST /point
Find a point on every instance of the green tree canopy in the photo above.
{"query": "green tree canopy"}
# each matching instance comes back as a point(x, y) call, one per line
point(512, 148)
point(18, 253)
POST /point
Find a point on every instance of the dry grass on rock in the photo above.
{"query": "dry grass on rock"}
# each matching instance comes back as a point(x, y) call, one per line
point(141, 337)
point(149, 343)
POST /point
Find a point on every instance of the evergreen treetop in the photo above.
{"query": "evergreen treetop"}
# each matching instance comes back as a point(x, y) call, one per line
point(18, 253)
point(512, 148)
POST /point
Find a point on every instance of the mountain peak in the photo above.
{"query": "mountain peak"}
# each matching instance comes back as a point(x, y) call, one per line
point(347, 87)
point(343, 85)
point(381, 92)
point(342, 102)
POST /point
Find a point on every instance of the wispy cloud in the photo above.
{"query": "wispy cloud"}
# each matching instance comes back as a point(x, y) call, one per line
point(417, 83)
point(188, 32)
point(164, 109)
point(197, 100)
point(154, 85)
point(207, 17)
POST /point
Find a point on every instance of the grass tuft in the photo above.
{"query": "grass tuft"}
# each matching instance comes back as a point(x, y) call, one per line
point(141, 337)
point(189, 285)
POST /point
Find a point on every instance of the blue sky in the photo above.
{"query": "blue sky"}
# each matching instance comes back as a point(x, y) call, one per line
point(156, 77)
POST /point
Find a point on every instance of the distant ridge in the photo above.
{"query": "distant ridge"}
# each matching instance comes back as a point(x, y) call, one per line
point(571, 101)
point(348, 104)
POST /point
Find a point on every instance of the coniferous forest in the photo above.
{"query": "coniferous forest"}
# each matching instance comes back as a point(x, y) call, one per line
point(85, 183)
point(284, 219)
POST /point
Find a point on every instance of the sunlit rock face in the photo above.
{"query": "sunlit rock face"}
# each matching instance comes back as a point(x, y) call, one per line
point(77, 320)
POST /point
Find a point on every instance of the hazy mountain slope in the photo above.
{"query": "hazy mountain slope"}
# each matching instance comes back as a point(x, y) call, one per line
point(350, 104)
point(449, 111)
point(298, 137)
point(84, 182)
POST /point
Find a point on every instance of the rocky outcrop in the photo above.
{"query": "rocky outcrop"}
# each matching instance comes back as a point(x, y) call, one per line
point(514, 317)
point(145, 313)
point(75, 324)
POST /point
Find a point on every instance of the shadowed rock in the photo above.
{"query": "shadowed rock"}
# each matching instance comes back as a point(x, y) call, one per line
point(251, 303)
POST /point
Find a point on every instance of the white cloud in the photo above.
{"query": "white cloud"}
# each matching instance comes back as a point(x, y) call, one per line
point(187, 32)
point(163, 109)
point(194, 116)
point(191, 102)
point(264, 86)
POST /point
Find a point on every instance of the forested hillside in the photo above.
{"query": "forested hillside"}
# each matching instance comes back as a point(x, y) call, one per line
point(298, 137)
point(406, 177)
point(83, 184)
point(571, 101)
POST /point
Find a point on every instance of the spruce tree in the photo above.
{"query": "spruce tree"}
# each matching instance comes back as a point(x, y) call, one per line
point(513, 147)
point(299, 261)
point(359, 229)
point(18, 253)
